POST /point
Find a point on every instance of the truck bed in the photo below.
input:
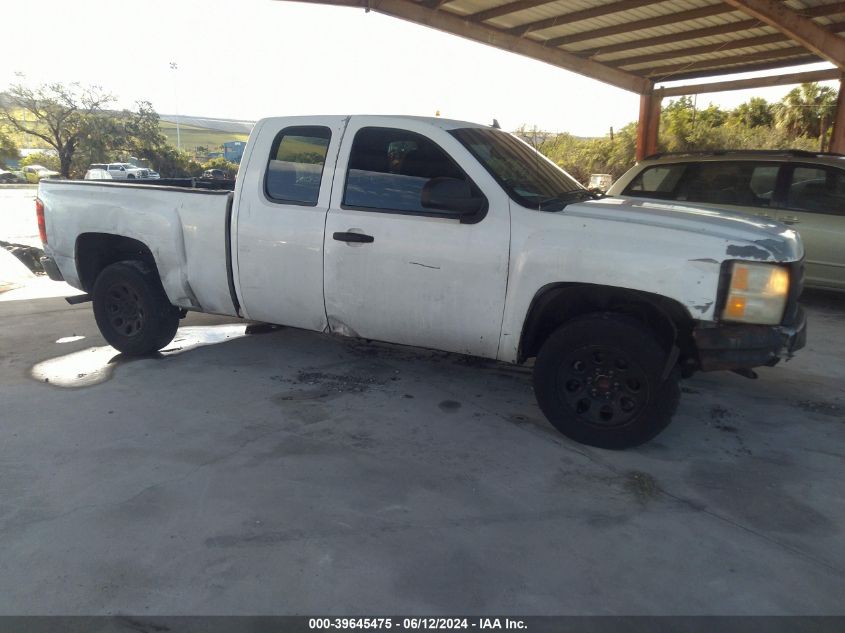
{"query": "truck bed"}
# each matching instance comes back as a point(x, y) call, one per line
point(187, 230)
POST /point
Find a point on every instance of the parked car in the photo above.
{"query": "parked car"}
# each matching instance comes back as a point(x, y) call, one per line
point(600, 182)
point(37, 173)
point(121, 171)
point(215, 174)
point(471, 243)
point(98, 174)
point(10, 177)
point(805, 190)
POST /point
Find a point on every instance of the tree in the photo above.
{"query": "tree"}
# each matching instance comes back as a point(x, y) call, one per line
point(683, 127)
point(8, 150)
point(756, 112)
point(807, 111)
point(59, 115)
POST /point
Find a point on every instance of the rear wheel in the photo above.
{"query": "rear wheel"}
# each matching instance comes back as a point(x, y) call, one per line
point(132, 310)
point(599, 381)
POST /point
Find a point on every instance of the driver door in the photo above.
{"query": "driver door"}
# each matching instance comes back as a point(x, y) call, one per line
point(397, 271)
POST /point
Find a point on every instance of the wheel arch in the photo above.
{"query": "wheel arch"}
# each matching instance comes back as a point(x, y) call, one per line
point(94, 251)
point(556, 303)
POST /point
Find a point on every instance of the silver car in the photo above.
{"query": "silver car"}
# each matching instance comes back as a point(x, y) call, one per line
point(805, 190)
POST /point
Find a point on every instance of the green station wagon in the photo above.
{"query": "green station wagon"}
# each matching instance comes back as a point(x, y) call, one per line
point(805, 190)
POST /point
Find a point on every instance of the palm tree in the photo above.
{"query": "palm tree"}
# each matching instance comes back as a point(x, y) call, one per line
point(807, 111)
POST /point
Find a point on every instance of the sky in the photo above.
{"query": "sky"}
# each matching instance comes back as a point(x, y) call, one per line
point(247, 59)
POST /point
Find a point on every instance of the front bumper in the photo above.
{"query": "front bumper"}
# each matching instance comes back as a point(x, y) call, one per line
point(745, 346)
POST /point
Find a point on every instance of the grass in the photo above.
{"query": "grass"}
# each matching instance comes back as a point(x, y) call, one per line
point(193, 137)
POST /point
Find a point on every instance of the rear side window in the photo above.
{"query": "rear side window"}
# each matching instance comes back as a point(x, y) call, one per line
point(731, 182)
point(389, 167)
point(295, 168)
point(656, 182)
point(817, 189)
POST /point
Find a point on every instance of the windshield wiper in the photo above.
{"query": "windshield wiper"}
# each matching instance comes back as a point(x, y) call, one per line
point(559, 201)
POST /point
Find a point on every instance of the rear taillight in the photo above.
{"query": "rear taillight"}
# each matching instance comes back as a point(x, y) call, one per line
point(42, 226)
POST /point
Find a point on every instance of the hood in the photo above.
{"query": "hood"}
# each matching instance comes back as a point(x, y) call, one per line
point(747, 236)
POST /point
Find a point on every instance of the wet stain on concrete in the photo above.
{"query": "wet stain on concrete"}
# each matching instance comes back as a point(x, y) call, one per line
point(317, 384)
point(718, 413)
point(823, 408)
point(642, 486)
point(518, 418)
point(449, 406)
point(94, 365)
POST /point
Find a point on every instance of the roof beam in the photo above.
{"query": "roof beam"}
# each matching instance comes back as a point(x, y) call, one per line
point(744, 68)
point(575, 16)
point(457, 25)
point(637, 25)
point(803, 30)
point(754, 82)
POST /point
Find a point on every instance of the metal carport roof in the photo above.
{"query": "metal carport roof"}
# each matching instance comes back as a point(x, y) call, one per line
point(637, 44)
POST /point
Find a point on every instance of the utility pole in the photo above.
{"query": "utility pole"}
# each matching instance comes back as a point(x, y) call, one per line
point(175, 67)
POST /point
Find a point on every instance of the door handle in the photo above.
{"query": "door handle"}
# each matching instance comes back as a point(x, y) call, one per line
point(360, 238)
point(788, 220)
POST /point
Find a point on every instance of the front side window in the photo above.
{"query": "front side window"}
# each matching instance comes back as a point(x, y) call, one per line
point(739, 183)
point(295, 168)
point(817, 189)
point(527, 177)
point(388, 169)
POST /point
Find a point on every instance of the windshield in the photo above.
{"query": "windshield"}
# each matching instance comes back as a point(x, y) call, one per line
point(528, 177)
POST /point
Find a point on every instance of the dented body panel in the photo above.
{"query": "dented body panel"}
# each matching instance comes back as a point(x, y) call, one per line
point(426, 281)
point(668, 250)
point(184, 229)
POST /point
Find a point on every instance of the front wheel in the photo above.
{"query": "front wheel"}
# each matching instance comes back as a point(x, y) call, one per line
point(132, 310)
point(599, 381)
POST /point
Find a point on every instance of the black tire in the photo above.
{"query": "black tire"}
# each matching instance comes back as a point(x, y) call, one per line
point(597, 378)
point(132, 310)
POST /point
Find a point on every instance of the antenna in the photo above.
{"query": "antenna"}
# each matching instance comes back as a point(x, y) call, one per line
point(496, 125)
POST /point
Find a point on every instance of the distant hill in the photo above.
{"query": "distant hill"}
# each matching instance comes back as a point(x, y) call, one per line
point(235, 126)
point(205, 132)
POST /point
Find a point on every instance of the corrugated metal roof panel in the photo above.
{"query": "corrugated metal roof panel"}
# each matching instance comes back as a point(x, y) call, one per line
point(623, 41)
point(727, 39)
point(748, 54)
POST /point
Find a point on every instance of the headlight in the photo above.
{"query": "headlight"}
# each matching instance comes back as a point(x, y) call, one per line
point(757, 293)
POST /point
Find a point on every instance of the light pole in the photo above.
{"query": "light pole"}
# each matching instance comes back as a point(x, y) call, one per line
point(174, 67)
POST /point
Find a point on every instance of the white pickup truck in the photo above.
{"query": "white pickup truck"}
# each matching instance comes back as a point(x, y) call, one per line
point(446, 235)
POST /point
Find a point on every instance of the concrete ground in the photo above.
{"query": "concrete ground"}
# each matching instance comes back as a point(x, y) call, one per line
point(287, 472)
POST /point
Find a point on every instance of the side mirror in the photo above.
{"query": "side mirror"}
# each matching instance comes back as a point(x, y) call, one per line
point(450, 194)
